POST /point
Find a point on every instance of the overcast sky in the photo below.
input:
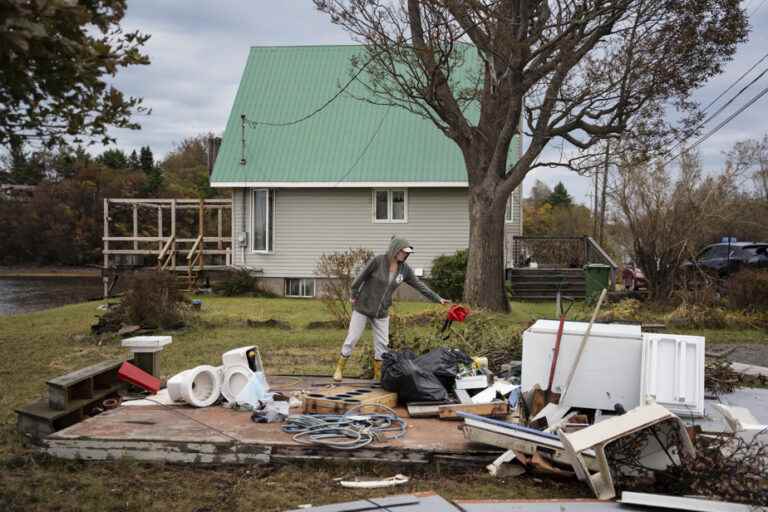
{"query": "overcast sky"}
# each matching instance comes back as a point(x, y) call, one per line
point(198, 50)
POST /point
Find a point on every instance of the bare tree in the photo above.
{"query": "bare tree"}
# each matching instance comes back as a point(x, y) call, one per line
point(670, 214)
point(580, 71)
point(752, 155)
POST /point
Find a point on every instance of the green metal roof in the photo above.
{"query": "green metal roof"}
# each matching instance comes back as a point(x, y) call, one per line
point(349, 142)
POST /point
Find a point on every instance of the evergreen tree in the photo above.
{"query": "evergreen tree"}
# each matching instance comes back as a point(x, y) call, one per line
point(146, 159)
point(152, 171)
point(560, 196)
point(113, 158)
point(20, 167)
point(133, 161)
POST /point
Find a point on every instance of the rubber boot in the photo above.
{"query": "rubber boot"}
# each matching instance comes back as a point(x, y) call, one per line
point(377, 370)
point(340, 364)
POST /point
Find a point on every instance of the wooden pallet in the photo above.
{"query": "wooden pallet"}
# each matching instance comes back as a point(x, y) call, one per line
point(340, 399)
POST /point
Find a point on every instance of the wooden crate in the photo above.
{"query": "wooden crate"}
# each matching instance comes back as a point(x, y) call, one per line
point(340, 399)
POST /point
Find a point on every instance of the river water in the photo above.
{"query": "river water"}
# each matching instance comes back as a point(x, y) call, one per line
point(26, 294)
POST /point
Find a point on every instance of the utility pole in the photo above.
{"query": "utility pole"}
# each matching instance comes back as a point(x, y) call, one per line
point(605, 190)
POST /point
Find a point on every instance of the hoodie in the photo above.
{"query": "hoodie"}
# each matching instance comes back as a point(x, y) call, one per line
point(372, 290)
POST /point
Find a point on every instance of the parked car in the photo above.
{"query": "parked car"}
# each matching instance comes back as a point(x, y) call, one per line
point(724, 258)
point(633, 278)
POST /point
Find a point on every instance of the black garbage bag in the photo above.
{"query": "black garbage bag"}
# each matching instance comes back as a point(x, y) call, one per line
point(444, 363)
point(401, 374)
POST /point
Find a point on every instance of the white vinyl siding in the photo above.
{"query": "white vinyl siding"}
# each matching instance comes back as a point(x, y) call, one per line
point(310, 222)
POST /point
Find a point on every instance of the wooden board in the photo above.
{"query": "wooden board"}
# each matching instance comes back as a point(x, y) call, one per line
point(424, 409)
point(340, 399)
point(496, 409)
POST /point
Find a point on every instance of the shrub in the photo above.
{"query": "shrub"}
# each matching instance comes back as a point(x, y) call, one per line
point(747, 289)
point(339, 270)
point(241, 282)
point(447, 275)
point(153, 299)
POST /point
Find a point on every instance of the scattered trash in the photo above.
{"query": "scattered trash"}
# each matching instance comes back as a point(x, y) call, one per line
point(375, 484)
point(657, 454)
point(270, 411)
point(401, 374)
point(138, 377)
point(641, 499)
point(350, 431)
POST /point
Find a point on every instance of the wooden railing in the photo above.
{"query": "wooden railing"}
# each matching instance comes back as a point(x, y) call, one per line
point(560, 252)
point(129, 240)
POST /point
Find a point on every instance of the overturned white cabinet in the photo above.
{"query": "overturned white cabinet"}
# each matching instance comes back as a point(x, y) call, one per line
point(609, 370)
point(620, 365)
point(673, 373)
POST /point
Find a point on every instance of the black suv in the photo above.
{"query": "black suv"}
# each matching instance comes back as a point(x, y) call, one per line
point(725, 258)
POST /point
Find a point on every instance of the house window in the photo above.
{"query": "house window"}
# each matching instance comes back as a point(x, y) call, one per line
point(262, 220)
point(509, 214)
point(302, 287)
point(390, 205)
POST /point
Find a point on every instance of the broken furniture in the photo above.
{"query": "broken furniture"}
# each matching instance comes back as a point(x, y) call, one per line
point(71, 398)
point(511, 436)
point(599, 436)
point(742, 423)
point(672, 373)
point(145, 351)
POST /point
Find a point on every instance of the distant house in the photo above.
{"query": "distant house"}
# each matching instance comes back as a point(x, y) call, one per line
point(349, 176)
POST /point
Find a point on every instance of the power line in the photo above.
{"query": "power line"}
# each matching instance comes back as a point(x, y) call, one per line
point(719, 110)
point(722, 124)
point(252, 123)
point(761, 59)
point(757, 8)
point(365, 149)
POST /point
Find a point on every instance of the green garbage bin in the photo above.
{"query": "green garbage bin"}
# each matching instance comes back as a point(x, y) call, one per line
point(597, 277)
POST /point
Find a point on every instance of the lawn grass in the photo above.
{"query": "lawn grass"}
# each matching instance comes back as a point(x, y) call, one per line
point(46, 344)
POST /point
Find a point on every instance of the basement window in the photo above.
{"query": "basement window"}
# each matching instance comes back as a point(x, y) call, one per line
point(262, 220)
point(301, 287)
point(390, 205)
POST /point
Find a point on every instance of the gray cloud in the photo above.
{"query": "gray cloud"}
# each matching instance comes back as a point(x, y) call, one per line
point(199, 48)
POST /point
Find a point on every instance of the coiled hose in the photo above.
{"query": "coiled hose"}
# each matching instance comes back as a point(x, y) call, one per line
point(349, 431)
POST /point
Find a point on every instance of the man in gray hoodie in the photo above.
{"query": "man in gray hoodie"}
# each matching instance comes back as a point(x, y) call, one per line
point(371, 298)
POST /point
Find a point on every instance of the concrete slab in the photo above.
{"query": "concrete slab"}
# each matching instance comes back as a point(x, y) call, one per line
point(181, 433)
point(750, 369)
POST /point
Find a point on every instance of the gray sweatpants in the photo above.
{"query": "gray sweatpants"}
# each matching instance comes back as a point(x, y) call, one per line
point(380, 328)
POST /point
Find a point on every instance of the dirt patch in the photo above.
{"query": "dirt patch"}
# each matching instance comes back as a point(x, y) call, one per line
point(271, 323)
point(326, 324)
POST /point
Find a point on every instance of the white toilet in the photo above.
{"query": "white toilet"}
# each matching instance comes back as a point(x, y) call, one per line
point(199, 387)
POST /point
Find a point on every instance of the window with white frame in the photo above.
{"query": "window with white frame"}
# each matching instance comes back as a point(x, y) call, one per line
point(300, 287)
point(509, 214)
point(262, 220)
point(390, 205)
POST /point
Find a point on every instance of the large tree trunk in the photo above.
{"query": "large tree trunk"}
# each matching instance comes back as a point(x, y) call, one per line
point(484, 281)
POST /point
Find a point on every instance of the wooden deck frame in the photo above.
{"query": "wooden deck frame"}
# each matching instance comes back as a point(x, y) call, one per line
point(169, 247)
